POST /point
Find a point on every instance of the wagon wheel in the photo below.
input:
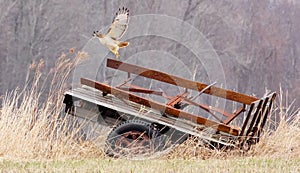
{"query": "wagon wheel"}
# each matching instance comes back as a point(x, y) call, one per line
point(133, 138)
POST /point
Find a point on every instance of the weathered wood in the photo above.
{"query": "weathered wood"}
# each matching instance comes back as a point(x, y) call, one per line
point(247, 119)
point(157, 106)
point(269, 107)
point(164, 77)
point(254, 117)
point(260, 116)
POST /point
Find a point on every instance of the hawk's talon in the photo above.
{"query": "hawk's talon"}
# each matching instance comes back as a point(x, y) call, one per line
point(117, 55)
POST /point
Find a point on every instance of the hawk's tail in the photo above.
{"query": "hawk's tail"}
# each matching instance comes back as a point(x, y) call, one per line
point(123, 44)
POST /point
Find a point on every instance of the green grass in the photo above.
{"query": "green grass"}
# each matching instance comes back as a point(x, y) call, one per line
point(159, 165)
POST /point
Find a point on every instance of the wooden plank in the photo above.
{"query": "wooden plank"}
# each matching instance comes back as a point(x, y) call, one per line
point(247, 119)
point(254, 117)
point(261, 114)
point(272, 96)
point(164, 77)
point(158, 106)
point(269, 107)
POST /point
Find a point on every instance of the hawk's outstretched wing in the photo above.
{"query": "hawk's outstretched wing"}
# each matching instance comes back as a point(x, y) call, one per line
point(119, 24)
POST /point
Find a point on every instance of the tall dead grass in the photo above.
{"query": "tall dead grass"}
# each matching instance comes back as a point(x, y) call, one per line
point(32, 125)
point(32, 122)
point(280, 139)
point(282, 142)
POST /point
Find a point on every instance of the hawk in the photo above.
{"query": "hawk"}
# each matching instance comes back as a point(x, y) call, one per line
point(115, 32)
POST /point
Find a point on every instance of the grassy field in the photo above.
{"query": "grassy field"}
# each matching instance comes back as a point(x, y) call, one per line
point(158, 165)
point(34, 137)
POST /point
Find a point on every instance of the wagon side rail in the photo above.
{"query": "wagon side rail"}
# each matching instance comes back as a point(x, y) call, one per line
point(106, 89)
point(187, 85)
point(256, 118)
point(178, 81)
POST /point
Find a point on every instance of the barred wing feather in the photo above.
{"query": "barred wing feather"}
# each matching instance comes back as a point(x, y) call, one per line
point(119, 24)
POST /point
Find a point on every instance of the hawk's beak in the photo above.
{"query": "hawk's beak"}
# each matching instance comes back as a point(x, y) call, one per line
point(95, 33)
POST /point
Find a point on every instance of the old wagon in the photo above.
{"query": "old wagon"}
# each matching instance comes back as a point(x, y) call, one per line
point(141, 125)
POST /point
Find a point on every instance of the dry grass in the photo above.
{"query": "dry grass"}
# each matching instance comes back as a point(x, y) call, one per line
point(283, 142)
point(33, 127)
point(30, 129)
point(280, 141)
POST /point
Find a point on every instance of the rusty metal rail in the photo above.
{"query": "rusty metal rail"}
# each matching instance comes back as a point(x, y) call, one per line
point(160, 76)
point(158, 106)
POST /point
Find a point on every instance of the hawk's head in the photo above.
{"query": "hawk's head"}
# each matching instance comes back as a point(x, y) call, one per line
point(97, 34)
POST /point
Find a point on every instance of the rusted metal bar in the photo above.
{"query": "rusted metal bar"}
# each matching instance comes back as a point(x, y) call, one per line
point(157, 106)
point(139, 90)
point(208, 109)
point(234, 115)
point(134, 88)
point(177, 99)
point(153, 74)
point(124, 83)
point(202, 91)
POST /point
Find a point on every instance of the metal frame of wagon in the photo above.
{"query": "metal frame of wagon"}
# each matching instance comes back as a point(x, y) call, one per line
point(257, 110)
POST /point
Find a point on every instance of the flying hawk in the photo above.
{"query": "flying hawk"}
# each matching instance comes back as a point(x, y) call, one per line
point(115, 32)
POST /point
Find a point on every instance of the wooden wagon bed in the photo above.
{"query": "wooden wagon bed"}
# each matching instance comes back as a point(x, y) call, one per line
point(123, 99)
